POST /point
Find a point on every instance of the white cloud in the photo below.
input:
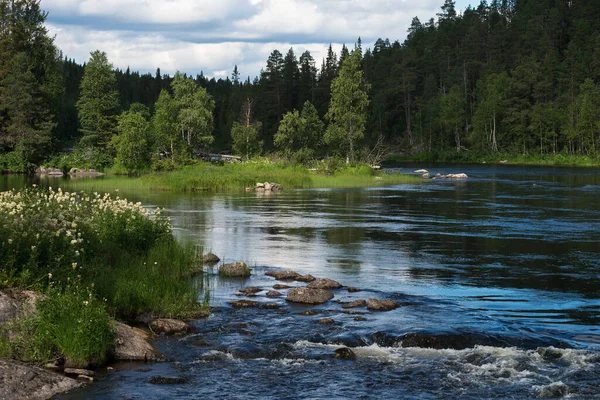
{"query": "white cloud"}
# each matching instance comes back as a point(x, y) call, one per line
point(212, 36)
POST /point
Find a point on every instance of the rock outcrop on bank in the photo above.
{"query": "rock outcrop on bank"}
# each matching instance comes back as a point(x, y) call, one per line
point(19, 380)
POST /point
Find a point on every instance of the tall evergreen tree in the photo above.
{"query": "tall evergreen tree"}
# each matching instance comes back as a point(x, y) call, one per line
point(98, 103)
point(347, 112)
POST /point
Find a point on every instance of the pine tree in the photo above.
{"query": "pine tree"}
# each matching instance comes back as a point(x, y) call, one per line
point(347, 112)
point(98, 102)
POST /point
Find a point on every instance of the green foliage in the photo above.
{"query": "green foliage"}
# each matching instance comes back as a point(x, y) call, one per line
point(81, 157)
point(98, 102)
point(300, 134)
point(29, 82)
point(133, 142)
point(348, 108)
point(246, 139)
point(157, 283)
point(195, 107)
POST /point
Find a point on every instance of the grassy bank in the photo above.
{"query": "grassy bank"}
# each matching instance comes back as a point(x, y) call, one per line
point(93, 257)
point(236, 177)
point(560, 159)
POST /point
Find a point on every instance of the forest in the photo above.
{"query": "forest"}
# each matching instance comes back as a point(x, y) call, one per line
point(509, 76)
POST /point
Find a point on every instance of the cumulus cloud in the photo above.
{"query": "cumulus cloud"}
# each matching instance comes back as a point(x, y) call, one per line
point(212, 36)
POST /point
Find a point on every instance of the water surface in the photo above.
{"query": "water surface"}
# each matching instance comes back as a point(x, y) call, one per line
point(500, 272)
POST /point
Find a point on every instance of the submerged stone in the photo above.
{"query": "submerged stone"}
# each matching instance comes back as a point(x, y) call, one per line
point(165, 380)
point(345, 354)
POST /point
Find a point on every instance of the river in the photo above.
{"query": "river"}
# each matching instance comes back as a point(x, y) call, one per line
point(499, 275)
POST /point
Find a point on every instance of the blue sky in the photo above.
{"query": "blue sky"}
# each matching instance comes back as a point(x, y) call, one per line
point(212, 36)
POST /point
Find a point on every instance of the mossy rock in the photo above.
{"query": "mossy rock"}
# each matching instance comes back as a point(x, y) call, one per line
point(235, 270)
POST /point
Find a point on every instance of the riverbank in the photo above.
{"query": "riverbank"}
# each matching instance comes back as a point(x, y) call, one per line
point(71, 263)
point(238, 177)
point(453, 157)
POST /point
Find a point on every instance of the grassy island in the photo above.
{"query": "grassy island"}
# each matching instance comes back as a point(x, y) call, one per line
point(236, 177)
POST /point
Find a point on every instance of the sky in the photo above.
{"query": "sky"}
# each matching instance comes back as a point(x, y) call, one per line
point(214, 35)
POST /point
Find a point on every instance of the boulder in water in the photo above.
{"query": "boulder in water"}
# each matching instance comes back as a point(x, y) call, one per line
point(235, 270)
point(308, 296)
point(250, 290)
point(131, 344)
point(305, 278)
point(354, 304)
point(169, 327)
point(244, 304)
point(345, 353)
point(325, 283)
point(325, 321)
point(288, 275)
point(210, 258)
point(381, 305)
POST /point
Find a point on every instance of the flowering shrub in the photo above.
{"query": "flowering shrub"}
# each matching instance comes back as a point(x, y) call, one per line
point(56, 232)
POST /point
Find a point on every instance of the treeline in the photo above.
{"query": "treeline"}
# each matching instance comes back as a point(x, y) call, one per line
point(513, 76)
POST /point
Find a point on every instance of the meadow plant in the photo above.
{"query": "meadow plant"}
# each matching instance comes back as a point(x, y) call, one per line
point(56, 232)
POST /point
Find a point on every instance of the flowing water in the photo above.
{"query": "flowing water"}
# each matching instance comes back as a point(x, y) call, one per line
point(498, 278)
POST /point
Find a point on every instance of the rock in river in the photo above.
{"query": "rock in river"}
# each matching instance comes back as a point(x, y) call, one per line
point(22, 381)
point(354, 304)
point(131, 344)
point(210, 258)
point(244, 304)
point(234, 270)
point(382, 305)
point(250, 290)
point(345, 354)
point(309, 296)
point(325, 283)
point(169, 327)
point(288, 275)
point(305, 278)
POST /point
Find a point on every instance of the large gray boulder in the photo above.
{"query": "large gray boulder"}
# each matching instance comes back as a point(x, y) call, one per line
point(308, 296)
point(132, 344)
point(17, 304)
point(22, 381)
point(235, 270)
point(325, 283)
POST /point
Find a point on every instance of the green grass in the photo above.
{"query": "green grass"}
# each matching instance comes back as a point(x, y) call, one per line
point(559, 159)
point(236, 177)
point(157, 283)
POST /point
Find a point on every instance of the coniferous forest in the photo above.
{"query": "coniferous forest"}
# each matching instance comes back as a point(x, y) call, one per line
point(508, 76)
